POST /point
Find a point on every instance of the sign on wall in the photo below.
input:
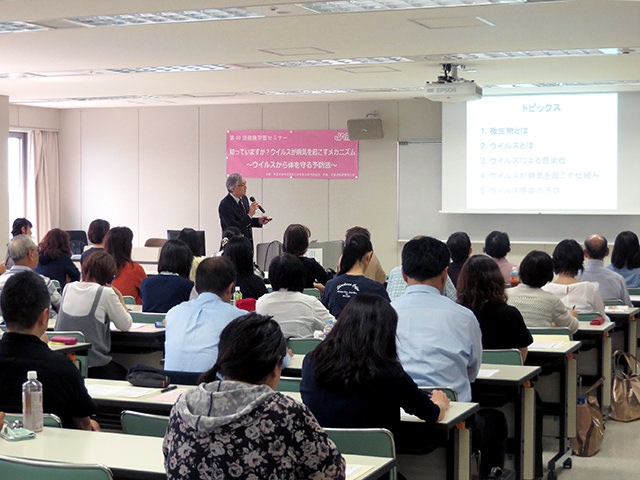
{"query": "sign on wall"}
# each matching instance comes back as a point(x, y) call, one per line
point(292, 154)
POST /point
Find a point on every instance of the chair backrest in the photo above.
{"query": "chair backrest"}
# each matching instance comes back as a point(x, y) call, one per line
point(248, 304)
point(314, 292)
point(374, 442)
point(11, 467)
point(56, 284)
point(81, 358)
point(448, 391)
point(634, 291)
point(49, 419)
point(612, 303)
point(183, 378)
point(265, 252)
point(302, 346)
point(509, 356)
point(587, 317)
point(155, 242)
point(147, 317)
point(129, 300)
point(136, 423)
point(289, 384)
point(564, 331)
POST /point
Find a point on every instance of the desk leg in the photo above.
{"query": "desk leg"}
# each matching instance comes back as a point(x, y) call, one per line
point(606, 372)
point(572, 380)
point(528, 433)
point(463, 454)
point(633, 336)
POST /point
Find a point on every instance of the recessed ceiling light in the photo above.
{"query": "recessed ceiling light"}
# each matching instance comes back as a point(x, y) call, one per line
point(568, 52)
point(173, 68)
point(349, 6)
point(180, 16)
point(338, 62)
point(13, 27)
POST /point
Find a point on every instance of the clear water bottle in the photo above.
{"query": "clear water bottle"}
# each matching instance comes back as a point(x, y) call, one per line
point(327, 328)
point(515, 276)
point(32, 402)
point(237, 295)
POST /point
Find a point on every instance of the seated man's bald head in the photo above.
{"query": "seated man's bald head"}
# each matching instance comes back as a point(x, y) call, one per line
point(596, 247)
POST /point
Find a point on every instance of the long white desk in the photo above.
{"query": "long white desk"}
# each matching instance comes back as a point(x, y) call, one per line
point(133, 456)
point(600, 335)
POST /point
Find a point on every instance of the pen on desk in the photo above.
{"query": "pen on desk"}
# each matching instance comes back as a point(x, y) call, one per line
point(168, 389)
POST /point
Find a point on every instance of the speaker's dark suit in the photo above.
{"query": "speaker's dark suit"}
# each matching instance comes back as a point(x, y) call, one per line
point(232, 215)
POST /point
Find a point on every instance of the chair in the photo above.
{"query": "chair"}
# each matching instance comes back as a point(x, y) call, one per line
point(373, 442)
point(634, 291)
point(509, 356)
point(613, 303)
point(50, 420)
point(155, 242)
point(129, 300)
point(147, 317)
point(587, 317)
point(145, 424)
point(449, 391)
point(183, 378)
point(56, 284)
point(302, 346)
point(289, 384)
point(82, 359)
point(551, 331)
point(14, 468)
point(266, 252)
point(78, 240)
point(314, 292)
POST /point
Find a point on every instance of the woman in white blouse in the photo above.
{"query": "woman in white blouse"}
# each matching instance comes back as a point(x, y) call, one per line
point(299, 315)
point(568, 260)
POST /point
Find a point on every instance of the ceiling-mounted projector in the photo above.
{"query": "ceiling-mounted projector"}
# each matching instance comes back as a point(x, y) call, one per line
point(450, 88)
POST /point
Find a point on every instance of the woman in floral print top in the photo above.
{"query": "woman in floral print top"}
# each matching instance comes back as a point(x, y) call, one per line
point(240, 427)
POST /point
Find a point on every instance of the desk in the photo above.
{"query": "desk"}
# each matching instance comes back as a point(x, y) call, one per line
point(295, 368)
point(121, 453)
point(81, 348)
point(600, 335)
point(635, 300)
point(142, 338)
point(512, 384)
point(625, 319)
point(559, 358)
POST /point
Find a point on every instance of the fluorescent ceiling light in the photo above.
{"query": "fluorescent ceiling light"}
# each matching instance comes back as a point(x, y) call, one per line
point(180, 16)
point(13, 27)
point(567, 84)
point(173, 68)
point(569, 52)
point(349, 6)
point(338, 62)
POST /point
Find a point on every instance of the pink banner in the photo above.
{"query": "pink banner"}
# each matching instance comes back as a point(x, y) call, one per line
point(292, 154)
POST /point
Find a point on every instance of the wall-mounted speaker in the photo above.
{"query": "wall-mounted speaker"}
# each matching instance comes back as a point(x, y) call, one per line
point(365, 128)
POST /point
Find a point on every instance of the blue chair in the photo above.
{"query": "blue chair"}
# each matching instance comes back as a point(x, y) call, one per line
point(373, 442)
point(49, 420)
point(145, 424)
point(83, 360)
point(302, 346)
point(509, 356)
point(551, 331)
point(448, 391)
point(289, 384)
point(21, 468)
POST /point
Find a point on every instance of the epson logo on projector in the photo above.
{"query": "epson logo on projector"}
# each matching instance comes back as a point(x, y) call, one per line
point(445, 90)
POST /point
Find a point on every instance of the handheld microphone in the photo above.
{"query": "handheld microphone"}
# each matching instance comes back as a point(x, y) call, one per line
point(253, 199)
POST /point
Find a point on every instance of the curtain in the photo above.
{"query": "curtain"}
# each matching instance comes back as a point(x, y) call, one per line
point(43, 182)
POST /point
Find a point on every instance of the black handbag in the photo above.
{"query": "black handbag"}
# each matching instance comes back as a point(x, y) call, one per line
point(146, 376)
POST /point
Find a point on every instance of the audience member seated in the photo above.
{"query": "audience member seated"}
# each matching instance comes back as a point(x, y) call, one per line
point(193, 327)
point(351, 280)
point(296, 242)
point(539, 308)
point(497, 245)
point(227, 234)
point(568, 260)
point(55, 258)
point(171, 286)
point(481, 290)
point(298, 315)
point(25, 306)
point(88, 306)
point(625, 259)
point(396, 285)
point(240, 251)
point(192, 239)
point(119, 243)
point(97, 231)
point(459, 245)
point(23, 252)
point(354, 378)
point(374, 270)
point(612, 285)
point(439, 342)
point(21, 226)
point(239, 427)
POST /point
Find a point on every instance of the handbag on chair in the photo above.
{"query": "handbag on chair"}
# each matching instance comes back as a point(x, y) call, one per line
point(625, 392)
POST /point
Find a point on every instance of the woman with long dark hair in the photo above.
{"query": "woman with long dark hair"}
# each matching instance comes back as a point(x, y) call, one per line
point(296, 242)
point(240, 252)
point(351, 280)
point(625, 258)
point(55, 258)
point(481, 289)
point(238, 426)
point(119, 243)
point(160, 293)
point(193, 240)
point(354, 378)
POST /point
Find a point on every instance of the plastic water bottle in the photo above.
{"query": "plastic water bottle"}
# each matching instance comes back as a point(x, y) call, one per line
point(515, 276)
point(32, 402)
point(237, 295)
point(327, 328)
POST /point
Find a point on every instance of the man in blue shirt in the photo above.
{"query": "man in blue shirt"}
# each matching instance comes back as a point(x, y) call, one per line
point(193, 327)
point(439, 341)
